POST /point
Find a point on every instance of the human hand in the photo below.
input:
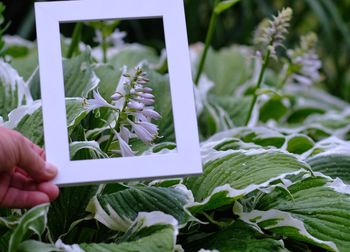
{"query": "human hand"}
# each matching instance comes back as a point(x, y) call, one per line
point(24, 174)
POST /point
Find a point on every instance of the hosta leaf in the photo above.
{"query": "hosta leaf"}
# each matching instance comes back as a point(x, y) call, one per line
point(32, 245)
point(228, 69)
point(224, 5)
point(92, 146)
point(151, 232)
point(263, 136)
point(230, 175)
point(317, 98)
point(274, 108)
point(318, 213)
point(28, 119)
point(79, 77)
point(31, 124)
point(33, 221)
point(236, 107)
point(26, 64)
point(333, 164)
point(164, 147)
point(300, 114)
point(132, 55)
point(118, 210)
point(13, 91)
point(239, 237)
point(299, 144)
point(75, 112)
point(68, 208)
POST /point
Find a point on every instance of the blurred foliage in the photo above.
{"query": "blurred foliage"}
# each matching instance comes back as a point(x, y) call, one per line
point(327, 18)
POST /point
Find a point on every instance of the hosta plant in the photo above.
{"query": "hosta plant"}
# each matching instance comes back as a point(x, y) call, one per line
point(275, 150)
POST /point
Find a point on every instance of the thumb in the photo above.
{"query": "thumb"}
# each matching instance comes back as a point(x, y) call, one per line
point(30, 161)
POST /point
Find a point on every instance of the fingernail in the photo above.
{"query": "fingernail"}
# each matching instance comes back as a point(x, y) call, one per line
point(50, 169)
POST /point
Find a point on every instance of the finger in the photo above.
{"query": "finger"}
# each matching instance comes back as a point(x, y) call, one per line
point(50, 189)
point(32, 163)
point(20, 181)
point(36, 148)
point(16, 198)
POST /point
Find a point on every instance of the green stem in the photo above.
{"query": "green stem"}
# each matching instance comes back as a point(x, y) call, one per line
point(75, 40)
point(104, 47)
point(208, 40)
point(261, 76)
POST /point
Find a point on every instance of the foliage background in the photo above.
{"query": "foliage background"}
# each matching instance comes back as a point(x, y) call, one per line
point(329, 19)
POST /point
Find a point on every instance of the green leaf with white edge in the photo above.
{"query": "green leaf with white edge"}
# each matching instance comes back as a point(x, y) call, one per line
point(334, 162)
point(32, 245)
point(118, 210)
point(317, 214)
point(79, 75)
point(299, 144)
point(151, 232)
point(33, 221)
point(28, 119)
point(132, 55)
point(316, 98)
point(68, 208)
point(13, 90)
point(224, 5)
point(29, 122)
point(92, 146)
point(228, 68)
point(263, 136)
point(75, 112)
point(230, 175)
point(161, 148)
point(236, 107)
point(299, 115)
point(274, 108)
point(234, 144)
point(238, 237)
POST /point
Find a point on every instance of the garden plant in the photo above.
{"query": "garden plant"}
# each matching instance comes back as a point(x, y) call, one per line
point(274, 144)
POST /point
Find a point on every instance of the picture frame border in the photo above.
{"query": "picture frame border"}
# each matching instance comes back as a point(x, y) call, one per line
point(185, 161)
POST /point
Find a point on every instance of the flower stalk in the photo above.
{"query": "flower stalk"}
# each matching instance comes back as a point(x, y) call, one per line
point(271, 35)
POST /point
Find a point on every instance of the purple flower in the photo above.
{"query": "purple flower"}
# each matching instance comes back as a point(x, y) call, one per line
point(146, 132)
point(117, 96)
point(135, 105)
point(125, 149)
point(97, 102)
point(125, 133)
point(151, 113)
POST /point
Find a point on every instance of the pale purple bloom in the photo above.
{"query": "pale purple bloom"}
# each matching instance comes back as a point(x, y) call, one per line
point(147, 90)
point(151, 113)
point(125, 133)
point(150, 127)
point(146, 133)
point(145, 101)
point(305, 61)
point(97, 102)
point(140, 117)
point(117, 96)
point(125, 149)
point(146, 95)
point(135, 105)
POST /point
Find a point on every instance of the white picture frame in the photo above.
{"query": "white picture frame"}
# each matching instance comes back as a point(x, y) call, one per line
point(186, 161)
